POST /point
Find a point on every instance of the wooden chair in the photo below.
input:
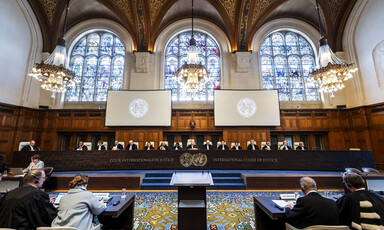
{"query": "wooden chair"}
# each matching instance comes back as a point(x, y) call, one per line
point(318, 227)
point(48, 172)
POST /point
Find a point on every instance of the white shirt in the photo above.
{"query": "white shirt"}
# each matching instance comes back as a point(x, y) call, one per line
point(32, 148)
point(130, 147)
point(253, 147)
point(99, 147)
point(207, 147)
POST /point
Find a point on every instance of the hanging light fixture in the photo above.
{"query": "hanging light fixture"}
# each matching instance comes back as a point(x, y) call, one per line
point(192, 76)
point(52, 72)
point(331, 71)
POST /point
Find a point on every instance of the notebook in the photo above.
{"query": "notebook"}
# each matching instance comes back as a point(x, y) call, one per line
point(16, 171)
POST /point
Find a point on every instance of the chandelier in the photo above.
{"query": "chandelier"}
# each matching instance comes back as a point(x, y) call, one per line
point(52, 72)
point(332, 71)
point(192, 76)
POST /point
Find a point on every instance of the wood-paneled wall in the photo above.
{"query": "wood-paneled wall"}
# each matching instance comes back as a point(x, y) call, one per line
point(361, 127)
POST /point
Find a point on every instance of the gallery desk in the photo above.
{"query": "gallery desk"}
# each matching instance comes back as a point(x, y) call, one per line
point(119, 216)
point(199, 160)
point(267, 215)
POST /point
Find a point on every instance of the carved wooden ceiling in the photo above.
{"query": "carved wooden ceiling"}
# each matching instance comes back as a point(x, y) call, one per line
point(145, 19)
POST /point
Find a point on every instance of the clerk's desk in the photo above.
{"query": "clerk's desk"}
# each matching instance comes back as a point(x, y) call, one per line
point(268, 216)
point(119, 216)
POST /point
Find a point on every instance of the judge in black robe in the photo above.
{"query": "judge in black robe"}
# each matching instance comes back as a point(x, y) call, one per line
point(117, 146)
point(253, 146)
point(30, 147)
point(27, 207)
point(223, 146)
point(81, 147)
point(131, 146)
point(148, 146)
point(177, 146)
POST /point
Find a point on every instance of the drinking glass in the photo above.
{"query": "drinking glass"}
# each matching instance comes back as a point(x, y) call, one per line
point(123, 193)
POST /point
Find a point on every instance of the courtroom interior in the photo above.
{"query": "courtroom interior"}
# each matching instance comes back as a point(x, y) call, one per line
point(194, 111)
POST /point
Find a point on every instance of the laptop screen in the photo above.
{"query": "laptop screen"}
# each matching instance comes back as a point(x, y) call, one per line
point(375, 185)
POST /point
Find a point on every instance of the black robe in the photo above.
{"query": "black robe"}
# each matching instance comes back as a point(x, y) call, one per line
point(26, 208)
point(350, 208)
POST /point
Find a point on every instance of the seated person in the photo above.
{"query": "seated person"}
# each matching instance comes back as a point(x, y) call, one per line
point(131, 146)
point(301, 146)
point(36, 163)
point(117, 146)
point(100, 145)
point(267, 146)
point(27, 207)
point(285, 146)
point(236, 146)
point(208, 145)
point(311, 209)
point(222, 146)
point(81, 147)
point(162, 146)
point(30, 147)
point(148, 146)
point(360, 209)
point(253, 145)
point(192, 146)
point(78, 207)
point(177, 146)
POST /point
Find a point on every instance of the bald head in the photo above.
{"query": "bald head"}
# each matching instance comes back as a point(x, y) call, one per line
point(308, 184)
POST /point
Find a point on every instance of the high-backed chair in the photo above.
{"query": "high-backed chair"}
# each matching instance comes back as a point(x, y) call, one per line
point(89, 145)
point(295, 145)
point(352, 170)
point(48, 172)
point(263, 143)
point(318, 227)
point(22, 144)
point(56, 228)
point(279, 144)
point(370, 170)
point(166, 142)
point(180, 144)
point(233, 144)
point(189, 141)
point(122, 143)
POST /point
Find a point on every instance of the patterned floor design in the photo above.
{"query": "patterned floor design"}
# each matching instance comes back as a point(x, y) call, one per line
point(225, 210)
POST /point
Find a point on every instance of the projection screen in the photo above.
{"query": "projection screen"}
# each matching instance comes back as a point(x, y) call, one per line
point(246, 108)
point(139, 108)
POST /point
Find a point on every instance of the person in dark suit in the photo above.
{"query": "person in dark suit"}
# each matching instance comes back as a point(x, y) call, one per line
point(311, 209)
point(301, 146)
point(131, 146)
point(192, 146)
point(285, 146)
point(148, 146)
point(162, 146)
point(360, 208)
point(222, 146)
point(81, 147)
point(267, 146)
point(117, 146)
point(177, 146)
point(236, 146)
point(253, 145)
point(30, 147)
point(100, 145)
point(27, 207)
point(208, 145)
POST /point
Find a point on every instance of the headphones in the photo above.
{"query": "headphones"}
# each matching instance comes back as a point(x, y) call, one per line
point(36, 177)
point(346, 180)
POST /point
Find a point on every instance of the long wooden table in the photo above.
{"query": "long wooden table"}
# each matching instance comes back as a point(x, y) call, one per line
point(199, 160)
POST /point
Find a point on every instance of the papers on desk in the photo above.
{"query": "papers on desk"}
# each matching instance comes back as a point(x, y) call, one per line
point(282, 203)
point(103, 196)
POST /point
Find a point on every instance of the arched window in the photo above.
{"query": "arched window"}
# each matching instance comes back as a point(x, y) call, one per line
point(97, 60)
point(286, 60)
point(175, 56)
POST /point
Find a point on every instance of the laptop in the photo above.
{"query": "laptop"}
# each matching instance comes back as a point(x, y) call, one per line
point(16, 171)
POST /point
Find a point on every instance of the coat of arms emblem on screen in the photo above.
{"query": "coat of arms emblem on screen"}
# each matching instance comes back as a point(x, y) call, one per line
point(246, 107)
point(138, 108)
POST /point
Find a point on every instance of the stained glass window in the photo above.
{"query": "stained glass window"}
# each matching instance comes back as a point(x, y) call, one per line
point(176, 56)
point(286, 59)
point(97, 60)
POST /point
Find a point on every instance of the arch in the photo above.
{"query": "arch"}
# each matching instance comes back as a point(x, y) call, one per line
point(77, 32)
